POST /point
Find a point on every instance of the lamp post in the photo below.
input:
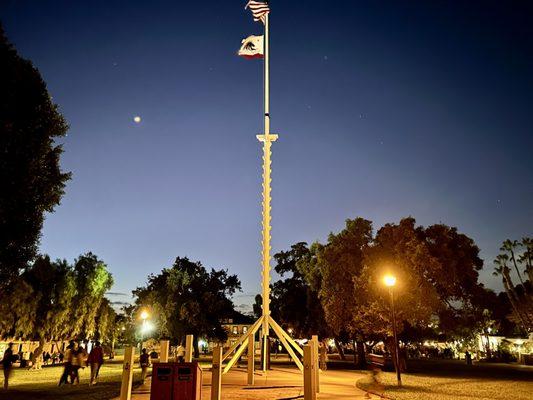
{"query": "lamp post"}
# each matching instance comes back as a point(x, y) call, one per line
point(390, 282)
point(144, 317)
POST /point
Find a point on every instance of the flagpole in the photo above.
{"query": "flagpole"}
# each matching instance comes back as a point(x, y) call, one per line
point(260, 12)
point(266, 198)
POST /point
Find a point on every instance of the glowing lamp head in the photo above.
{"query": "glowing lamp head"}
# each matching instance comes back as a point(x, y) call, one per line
point(389, 280)
point(144, 315)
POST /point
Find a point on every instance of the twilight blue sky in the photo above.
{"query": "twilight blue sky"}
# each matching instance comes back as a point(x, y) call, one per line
point(384, 109)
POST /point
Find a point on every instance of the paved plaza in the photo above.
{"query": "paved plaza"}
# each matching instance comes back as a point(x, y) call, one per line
point(276, 384)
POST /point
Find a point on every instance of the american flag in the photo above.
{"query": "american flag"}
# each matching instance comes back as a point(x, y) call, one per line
point(259, 10)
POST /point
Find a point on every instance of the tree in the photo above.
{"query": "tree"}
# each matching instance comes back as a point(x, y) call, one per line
point(31, 179)
point(295, 302)
point(187, 299)
point(510, 246)
point(92, 281)
point(340, 262)
point(521, 295)
point(53, 289)
point(53, 300)
point(526, 258)
point(396, 249)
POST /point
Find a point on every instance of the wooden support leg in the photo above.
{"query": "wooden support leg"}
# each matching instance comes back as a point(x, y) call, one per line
point(235, 357)
point(309, 373)
point(216, 377)
point(127, 373)
point(251, 359)
point(279, 329)
point(188, 348)
point(163, 351)
point(314, 341)
point(253, 329)
point(287, 346)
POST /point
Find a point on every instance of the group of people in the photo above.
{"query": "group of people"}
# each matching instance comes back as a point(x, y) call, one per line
point(76, 358)
point(54, 358)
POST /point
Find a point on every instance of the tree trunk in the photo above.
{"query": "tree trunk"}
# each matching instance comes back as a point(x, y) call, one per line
point(339, 349)
point(37, 355)
point(487, 347)
point(516, 267)
point(391, 347)
point(195, 346)
point(361, 358)
point(512, 299)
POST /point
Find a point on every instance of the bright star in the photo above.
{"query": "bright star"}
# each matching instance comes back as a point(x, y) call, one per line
point(137, 119)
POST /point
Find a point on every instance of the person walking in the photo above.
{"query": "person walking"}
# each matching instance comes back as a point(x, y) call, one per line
point(323, 357)
point(144, 361)
point(68, 363)
point(180, 354)
point(95, 361)
point(77, 362)
point(7, 363)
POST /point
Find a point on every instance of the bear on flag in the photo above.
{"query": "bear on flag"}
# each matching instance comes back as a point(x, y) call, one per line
point(252, 47)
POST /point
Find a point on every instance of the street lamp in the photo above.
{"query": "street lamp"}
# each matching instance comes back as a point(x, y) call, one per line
point(390, 282)
point(144, 317)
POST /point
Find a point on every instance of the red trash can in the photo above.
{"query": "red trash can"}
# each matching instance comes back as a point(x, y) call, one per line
point(162, 380)
point(187, 381)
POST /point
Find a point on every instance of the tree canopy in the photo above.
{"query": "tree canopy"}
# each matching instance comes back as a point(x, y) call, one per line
point(436, 267)
point(188, 299)
point(31, 179)
point(53, 300)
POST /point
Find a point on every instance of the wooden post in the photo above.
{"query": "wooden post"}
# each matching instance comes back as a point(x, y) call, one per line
point(127, 373)
point(188, 348)
point(314, 340)
point(309, 372)
point(163, 353)
point(251, 359)
point(216, 374)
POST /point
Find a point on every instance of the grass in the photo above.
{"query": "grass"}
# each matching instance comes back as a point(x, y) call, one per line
point(42, 384)
point(447, 380)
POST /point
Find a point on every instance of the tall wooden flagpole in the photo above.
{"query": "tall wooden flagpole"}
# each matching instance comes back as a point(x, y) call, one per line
point(265, 322)
point(267, 140)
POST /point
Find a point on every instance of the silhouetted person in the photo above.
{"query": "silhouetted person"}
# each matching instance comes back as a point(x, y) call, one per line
point(323, 350)
point(95, 361)
point(7, 363)
point(180, 353)
point(468, 358)
point(77, 362)
point(144, 361)
point(68, 363)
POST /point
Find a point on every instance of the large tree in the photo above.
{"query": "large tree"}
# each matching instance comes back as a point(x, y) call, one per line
point(31, 180)
point(53, 300)
point(295, 301)
point(340, 262)
point(188, 299)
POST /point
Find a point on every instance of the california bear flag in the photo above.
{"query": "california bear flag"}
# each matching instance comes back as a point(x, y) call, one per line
point(252, 47)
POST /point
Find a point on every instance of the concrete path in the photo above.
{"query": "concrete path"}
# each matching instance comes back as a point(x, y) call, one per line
point(276, 384)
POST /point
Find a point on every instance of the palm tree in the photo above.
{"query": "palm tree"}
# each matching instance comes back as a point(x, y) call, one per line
point(510, 246)
point(503, 270)
point(527, 257)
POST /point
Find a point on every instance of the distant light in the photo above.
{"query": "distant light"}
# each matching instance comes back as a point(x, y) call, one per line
point(202, 343)
point(146, 327)
point(144, 315)
point(137, 119)
point(389, 280)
